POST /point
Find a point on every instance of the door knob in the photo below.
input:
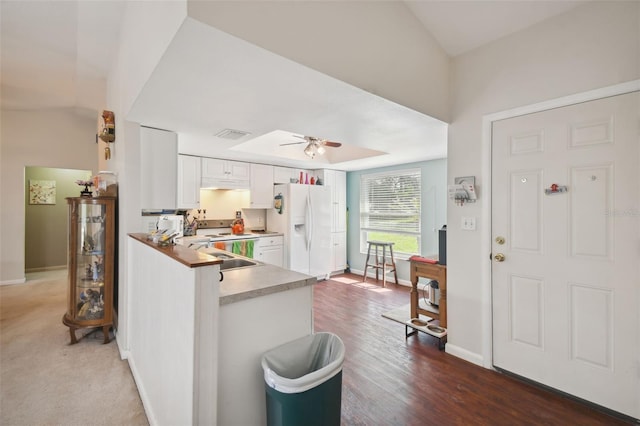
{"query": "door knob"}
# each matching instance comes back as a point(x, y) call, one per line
point(499, 257)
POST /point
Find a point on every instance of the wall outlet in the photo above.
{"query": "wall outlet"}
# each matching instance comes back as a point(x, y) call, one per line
point(468, 223)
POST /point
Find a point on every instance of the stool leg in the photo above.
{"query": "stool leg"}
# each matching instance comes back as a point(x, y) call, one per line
point(377, 263)
point(393, 263)
point(366, 264)
point(384, 266)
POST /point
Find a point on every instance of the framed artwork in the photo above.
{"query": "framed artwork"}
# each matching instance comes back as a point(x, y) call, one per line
point(42, 191)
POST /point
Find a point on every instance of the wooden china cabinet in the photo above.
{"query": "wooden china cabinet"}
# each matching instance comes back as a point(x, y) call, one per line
point(90, 260)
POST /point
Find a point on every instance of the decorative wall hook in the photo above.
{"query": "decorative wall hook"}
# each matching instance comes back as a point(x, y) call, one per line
point(463, 190)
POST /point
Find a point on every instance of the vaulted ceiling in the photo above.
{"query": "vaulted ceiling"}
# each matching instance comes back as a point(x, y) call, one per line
point(58, 54)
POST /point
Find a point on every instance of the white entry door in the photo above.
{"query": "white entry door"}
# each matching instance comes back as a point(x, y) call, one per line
point(566, 249)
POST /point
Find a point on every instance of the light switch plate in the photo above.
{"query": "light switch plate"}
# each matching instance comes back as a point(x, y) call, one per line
point(468, 223)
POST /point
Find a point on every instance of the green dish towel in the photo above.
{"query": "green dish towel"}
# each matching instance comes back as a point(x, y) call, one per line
point(243, 248)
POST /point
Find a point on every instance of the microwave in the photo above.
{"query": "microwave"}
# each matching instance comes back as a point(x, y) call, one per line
point(170, 223)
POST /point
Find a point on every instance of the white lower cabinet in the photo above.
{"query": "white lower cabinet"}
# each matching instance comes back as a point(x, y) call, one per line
point(269, 250)
point(339, 252)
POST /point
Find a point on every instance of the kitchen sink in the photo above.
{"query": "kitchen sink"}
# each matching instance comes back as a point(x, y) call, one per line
point(236, 263)
point(229, 260)
point(223, 256)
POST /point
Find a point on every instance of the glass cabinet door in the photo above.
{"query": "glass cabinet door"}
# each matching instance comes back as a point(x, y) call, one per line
point(89, 303)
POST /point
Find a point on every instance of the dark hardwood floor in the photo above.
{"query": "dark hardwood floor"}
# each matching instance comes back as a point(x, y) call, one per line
point(390, 380)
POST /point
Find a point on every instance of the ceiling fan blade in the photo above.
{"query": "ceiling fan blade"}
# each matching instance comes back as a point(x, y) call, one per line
point(292, 143)
point(332, 144)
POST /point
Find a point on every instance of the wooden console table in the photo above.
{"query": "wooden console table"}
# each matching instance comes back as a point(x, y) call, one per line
point(431, 271)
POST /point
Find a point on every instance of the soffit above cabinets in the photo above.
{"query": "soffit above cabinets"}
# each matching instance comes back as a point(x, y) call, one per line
point(195, 93)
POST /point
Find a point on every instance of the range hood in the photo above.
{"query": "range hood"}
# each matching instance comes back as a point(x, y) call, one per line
point(211, 183)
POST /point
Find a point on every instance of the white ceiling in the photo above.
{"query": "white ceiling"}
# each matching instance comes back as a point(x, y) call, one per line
point(189, 92)
point(57, 54)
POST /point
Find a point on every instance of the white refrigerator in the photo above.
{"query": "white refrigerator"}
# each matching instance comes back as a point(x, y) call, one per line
point(305, 221)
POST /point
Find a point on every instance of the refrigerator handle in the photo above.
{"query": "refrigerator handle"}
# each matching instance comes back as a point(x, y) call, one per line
point(309, 223)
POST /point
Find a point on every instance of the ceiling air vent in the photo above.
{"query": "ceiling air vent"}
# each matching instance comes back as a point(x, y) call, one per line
point(231, 134)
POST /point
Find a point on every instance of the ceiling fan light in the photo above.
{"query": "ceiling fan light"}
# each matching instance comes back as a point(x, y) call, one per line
point(320, 149)
point(310, 150)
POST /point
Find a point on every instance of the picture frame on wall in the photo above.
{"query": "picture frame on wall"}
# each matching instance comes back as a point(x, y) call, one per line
point(42, 191)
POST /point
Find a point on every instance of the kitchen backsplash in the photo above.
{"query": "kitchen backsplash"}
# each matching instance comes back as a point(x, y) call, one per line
point(223, 204)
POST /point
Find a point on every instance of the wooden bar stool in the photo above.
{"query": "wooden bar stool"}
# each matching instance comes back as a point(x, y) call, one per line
point(386, 265)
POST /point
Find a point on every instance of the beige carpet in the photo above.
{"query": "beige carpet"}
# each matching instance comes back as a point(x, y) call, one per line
point(46, 381)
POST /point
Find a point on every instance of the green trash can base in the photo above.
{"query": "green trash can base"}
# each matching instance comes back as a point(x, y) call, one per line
point(303, 381)
point(319, 406)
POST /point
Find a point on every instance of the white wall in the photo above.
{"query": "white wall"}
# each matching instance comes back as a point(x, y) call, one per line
point(378, 46)
point(46, 234)
point(147, 30)
point(65, 139)
point(47, 138)
point(595, 45)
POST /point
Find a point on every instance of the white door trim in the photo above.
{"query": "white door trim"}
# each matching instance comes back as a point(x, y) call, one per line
point(487, 122)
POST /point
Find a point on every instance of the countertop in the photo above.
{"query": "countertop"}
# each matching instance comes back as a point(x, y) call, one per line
point(193, 239)
point(240, 283)
point(184, 255)
point(256, 281)
point(260, 280)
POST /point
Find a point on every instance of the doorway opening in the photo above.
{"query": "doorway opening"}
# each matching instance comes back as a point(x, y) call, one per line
point(45, 232)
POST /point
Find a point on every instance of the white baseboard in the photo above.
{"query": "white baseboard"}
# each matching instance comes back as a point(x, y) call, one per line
point(14, 282)
point(464, 354)
point(124, 353)
point(151, 418)
point(46, 268)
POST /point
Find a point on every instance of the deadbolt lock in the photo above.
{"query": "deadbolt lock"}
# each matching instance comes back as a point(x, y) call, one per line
point(500, 240)
point(499, 257)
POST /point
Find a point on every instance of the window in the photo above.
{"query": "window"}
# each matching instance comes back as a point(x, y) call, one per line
point(390, 210)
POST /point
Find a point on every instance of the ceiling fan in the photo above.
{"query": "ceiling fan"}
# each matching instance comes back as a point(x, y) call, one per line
point(314, 145)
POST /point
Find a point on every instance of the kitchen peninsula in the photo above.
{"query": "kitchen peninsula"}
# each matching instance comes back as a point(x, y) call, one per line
point(195, 343)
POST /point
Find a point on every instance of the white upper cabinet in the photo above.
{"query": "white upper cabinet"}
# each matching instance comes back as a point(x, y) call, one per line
point(261, 186)
point(283, 174)
point(188, 182)
point(225, 174)
point(158, 168)
point(291, 175)
point(339, 199)
point(337, 180)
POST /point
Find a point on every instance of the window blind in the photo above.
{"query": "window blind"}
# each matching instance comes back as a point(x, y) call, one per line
point(390, 201)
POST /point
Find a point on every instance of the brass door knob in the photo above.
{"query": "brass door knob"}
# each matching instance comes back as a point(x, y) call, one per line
point(499, 257)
